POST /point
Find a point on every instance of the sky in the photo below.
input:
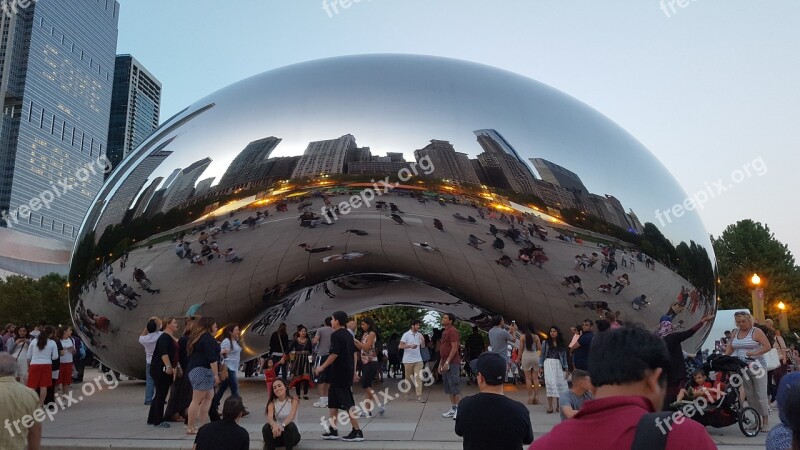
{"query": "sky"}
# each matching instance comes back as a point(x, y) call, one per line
point(711, 89)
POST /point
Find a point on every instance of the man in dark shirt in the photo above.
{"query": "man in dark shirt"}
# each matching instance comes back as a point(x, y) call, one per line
point(490, 420)
point(225, 434)
point(341, 361)
point(580, 350)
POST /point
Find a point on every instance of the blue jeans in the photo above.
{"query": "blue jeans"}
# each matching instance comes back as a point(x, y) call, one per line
point(230, 382)
point(150, 388)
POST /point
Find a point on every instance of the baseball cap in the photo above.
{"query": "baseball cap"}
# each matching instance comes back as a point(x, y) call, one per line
point(493, 368)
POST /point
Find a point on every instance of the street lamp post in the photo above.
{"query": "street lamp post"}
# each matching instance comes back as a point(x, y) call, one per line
point(784, 322)
point(757, 295)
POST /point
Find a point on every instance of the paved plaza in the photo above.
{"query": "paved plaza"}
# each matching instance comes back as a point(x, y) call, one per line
point(116, 419)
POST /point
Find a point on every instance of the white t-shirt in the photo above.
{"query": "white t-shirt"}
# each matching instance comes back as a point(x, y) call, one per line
point(412, 355)
point(45, 355)
point(234, 354)
point(149, 343)
point(67, 344)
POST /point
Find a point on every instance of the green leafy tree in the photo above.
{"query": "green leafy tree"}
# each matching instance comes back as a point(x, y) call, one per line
point(392, 319)
point(748, 247)
point(28, 301)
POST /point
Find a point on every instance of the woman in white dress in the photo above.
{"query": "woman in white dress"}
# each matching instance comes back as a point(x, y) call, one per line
point(554, 363)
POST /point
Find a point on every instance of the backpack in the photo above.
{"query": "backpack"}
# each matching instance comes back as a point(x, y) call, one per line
point(649, 436)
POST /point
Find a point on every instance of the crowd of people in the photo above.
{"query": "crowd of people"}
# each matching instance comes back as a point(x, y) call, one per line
point(605, 381)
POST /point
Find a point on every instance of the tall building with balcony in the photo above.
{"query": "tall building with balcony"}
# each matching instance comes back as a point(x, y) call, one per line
point(325, 157)
point(56, 77)
point(447, 162)
point(135, 107)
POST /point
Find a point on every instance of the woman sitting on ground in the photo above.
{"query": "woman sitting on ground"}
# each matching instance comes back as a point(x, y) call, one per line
point(280, 429)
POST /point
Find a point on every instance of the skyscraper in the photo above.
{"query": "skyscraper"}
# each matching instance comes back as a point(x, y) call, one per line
point(135, 107)
point(247, 165)
point(553, 173)
point(447, 162)
point(325, 157)
point(502, 164)
point(183, 186)
point(56, 75)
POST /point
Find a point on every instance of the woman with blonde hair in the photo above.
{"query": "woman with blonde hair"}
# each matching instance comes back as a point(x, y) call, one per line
point(749, 344)
point(203, 369)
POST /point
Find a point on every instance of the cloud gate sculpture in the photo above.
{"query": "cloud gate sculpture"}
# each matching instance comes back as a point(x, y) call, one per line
point(358, 182)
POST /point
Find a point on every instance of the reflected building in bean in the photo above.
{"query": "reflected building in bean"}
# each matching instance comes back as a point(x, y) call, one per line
point(438, 183)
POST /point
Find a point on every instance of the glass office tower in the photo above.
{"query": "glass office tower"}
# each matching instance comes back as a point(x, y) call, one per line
point(135, 107)
point(57, 69)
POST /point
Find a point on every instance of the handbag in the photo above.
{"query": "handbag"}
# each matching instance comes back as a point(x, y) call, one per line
point(223, 372)
point(772, 360)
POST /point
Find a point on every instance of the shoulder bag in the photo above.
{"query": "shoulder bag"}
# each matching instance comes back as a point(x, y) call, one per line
point(772, 360)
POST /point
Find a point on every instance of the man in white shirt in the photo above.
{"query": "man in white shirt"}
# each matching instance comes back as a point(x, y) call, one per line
point(411, 342)
point(148, 340)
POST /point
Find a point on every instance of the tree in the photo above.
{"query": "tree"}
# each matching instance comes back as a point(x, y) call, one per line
point(748, 247)
point(28, 301)
point(392, 319)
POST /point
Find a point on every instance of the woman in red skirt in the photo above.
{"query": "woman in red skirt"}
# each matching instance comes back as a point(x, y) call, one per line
point(64, 334)
point(40, 357)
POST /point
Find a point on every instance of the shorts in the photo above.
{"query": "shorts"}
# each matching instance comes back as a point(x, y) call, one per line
point(340, 398)
point(530, 360)
point(201, 379)
point(40, 376)
point(65, 374)
point(451, 379)
point(324, 376)
point(368, 373)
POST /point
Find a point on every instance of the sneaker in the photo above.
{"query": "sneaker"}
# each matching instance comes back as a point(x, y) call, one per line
point(364, 415)
point(331, 435)
point(319, 404)
point(381, 411)
point(354, 436)
point(449, 414)
point(420, 400)
point(163, 425)
point(455, 415)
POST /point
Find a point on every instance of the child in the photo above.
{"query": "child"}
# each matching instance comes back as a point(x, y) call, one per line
point(701, 388)
point(270, 375)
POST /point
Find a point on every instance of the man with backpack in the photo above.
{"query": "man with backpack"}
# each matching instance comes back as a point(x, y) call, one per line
point(629, 367)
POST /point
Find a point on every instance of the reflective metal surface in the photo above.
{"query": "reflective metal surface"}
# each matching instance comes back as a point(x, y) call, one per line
point(433, 163)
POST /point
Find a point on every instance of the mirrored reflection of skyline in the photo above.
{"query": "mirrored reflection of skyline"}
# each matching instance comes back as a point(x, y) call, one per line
point(227, 206)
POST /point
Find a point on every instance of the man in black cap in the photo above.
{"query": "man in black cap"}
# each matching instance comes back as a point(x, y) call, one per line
point(492, 410)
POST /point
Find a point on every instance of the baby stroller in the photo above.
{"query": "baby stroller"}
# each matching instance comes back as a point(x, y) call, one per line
point(727, 408)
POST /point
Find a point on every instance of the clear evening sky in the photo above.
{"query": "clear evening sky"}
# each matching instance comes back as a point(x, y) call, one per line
point(709, 89)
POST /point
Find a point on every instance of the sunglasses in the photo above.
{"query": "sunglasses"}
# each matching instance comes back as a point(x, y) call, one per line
point(741, 313)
